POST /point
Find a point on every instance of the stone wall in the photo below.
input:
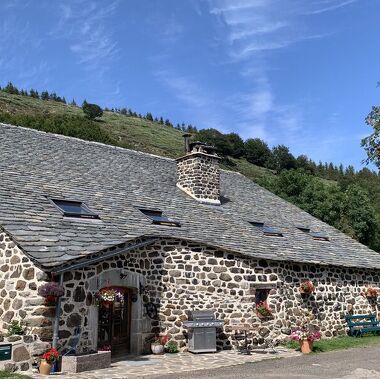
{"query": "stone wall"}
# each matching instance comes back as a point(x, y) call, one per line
point(19, 280)
point(198, 175)
point(26, 350)
point(182, 276)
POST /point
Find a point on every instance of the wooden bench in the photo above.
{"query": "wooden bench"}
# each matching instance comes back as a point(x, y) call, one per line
point(366, 324)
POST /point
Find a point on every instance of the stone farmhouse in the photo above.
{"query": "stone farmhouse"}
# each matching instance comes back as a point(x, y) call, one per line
point(168, 236)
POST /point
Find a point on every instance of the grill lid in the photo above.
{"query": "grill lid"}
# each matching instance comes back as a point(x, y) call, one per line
point(204, 315)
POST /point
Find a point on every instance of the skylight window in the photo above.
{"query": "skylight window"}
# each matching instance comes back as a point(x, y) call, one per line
point(267, 230)
point(158, 218)
point(318, 236)
point(77, 209)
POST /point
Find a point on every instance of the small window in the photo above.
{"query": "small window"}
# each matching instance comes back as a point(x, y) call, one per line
point(159, 219)
point(71, 208)
point(267, 230)
point(261, 295)
point(318, 236)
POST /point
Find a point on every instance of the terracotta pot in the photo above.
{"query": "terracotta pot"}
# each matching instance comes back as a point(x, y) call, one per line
point(45, 367)
point(306, 346)
point(157, 349)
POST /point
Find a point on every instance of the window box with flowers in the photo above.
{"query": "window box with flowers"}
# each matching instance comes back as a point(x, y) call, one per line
point(263, 311)
point(51, 291)
point(370, 293)
point(307, 288)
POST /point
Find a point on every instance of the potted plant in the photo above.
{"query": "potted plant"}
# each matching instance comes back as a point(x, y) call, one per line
point(51, 291)
point(305, 334)
point(262, 310)
point(48, 360)
point(171, 347)
point(157, 344)
point(370, 293)
point(307, 287)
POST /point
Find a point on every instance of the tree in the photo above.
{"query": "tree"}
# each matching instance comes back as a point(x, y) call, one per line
point(92, 111)
point(281, 159)
point(257, 151)
point(215, 138)
point(371, 143)
point(236, 143)
point(149, 116)
point(10, 88)
point(45, 95)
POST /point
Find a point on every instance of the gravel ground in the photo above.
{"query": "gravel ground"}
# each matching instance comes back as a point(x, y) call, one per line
point(358, 363)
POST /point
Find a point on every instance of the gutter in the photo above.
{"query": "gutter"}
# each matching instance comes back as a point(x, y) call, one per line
point(100, 258)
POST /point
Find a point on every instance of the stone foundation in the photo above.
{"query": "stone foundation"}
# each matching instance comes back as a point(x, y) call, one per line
point(25, 351)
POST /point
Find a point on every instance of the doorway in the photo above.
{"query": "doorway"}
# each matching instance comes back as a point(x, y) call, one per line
point(114, 321)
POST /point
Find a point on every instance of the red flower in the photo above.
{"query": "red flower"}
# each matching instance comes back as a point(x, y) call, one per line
point(51, 355)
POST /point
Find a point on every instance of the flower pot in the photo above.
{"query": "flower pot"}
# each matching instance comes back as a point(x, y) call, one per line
point(45, 367)
point(306, 346)
point(157, 349)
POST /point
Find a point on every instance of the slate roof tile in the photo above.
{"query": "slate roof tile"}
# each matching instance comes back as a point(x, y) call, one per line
point(36, 166)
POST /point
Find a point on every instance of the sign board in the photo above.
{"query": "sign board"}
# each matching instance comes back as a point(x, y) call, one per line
point(5, 352)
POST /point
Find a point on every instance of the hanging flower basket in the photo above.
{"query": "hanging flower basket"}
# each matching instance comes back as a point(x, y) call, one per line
point(307, 287)
point(51, 291)
point(110, 295)
point(370, 293)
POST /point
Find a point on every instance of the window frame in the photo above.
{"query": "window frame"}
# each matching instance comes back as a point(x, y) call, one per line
point(88, 215)
point(317, 236)
point(159, 218)
point(267, 230)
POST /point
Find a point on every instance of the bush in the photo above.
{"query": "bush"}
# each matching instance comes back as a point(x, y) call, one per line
point(72, 126)
point(171, 347)
point(15, 328)
point(92, 111)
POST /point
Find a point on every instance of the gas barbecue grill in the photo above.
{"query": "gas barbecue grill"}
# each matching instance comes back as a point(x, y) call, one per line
point(202, 327)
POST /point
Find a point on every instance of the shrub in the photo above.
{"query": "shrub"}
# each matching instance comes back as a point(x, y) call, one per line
point(15, 328)
point(171, 347)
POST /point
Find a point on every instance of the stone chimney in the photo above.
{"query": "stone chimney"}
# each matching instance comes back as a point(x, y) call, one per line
point(198, 172)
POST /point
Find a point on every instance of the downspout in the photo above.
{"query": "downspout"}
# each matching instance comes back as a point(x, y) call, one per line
point(57, 316)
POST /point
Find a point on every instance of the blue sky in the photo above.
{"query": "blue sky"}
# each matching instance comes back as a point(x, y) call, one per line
point(298, 72)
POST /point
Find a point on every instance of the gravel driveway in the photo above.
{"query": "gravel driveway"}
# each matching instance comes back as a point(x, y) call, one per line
point(358, 363)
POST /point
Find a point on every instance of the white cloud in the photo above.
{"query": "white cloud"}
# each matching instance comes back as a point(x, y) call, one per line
point(83, 24)
point(254, 29)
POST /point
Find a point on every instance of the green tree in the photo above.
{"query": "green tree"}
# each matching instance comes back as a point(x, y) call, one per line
point(371, 143)
point(92, 111)
point(281, 159)
point(257, 151)
point(10, 88)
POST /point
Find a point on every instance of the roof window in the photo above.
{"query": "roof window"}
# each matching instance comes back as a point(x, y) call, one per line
point(158, 218)
point(71, 208)
point(267, 230)
point(318, 236)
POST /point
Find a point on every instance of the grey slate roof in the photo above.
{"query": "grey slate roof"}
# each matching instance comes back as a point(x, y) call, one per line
point(115, 182)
